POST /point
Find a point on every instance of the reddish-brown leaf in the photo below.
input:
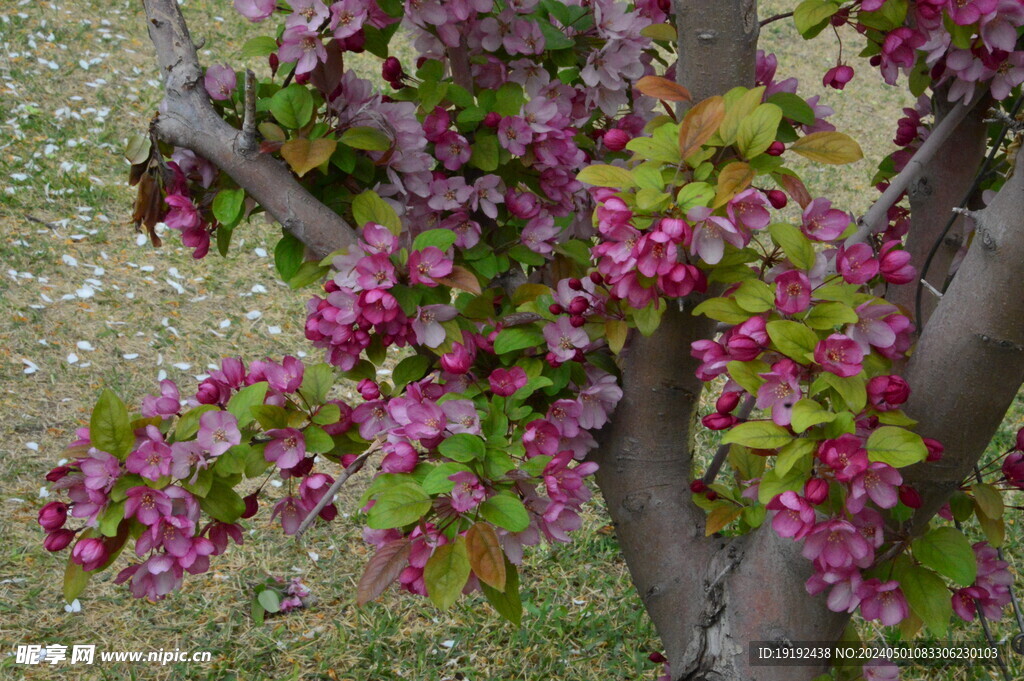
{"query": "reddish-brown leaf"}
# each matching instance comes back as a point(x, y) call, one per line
point(662, 88)
point(382, 569)
point(794, 186)
point(733, 179)
point(699, 124)
point(461, 278)
point(485, 555)
point(303, 155)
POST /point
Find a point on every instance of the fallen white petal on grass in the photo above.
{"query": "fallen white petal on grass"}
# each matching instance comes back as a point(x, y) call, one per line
point(68, 260)
point(30, 366)
point(131, 355)
point(34, 446)
point(184, 366)
point(85, 345)
point(178, 288)
point(72, 358)
point(253, 315)
point(260, 252)
point(43, 492)
point(85, 292)
point(225, 323)
point(273, 330)
point(74, 606)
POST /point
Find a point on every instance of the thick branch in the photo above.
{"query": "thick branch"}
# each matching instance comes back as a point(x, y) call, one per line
point(943, 182)
point(977, 335)
point(188, 119)
point(328, 497)
point(877, 216)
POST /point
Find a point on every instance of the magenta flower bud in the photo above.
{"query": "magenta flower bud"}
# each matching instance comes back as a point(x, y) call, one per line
point(555, 308)
point(575, 284)
point(57, 473)
point(711, 495)
point(910, 497)
point(894, 264)
point(777, 198)
point(578, 305)
point(727, 402)
point(718, 421)
point(1020, 441)
point(368, 389)
point(492, 119)
point(252, 504)
point(58, 540)
point(208, 392)
point(1013, 469)
point(505, 382)
point(816, 491)
point(775, 148)
point(616, 139)
point(53, 515)
point(597, 277)
point(302, 78)
point(89, 553)
point(887, 392)
point(838, 76)
point(935, 449)
point(658, 658)
point(458, 361)
point(577, 321)
point(743, 348)
point(274, 61)
point(391, 69)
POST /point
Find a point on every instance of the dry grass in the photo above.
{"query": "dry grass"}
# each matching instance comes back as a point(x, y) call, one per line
point(76, 78)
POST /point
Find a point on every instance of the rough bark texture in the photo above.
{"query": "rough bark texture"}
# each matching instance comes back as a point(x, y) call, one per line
point(942, 183)
point(188, 119)
point(969, 363)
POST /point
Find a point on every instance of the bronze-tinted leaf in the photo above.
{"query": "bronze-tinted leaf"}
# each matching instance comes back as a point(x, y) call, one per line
point(382, 569)
point(485, 555)
point(662, 88)
point(461, 278)
point(700, 124)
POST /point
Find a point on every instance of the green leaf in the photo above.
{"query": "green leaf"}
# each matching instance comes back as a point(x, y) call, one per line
point(241, 403)
point(75, 578)
point(509, 99)
point(327, 414)
point(757, 130)
point(506, 510)
point(292, 106)
point(736, 109)
point(111, 518)
point(188, 424)
point(398, 505)
point(260, 46)
point(437, 482)
point(793, 339)
point(410, 369)
point(222, 502)
point(811, 16)
point(852, 389)
point(773, 482)
point(518, 338)
point(753, 295)
point(648, 319)
point(601, 175)
point(897, 447)
point(486, 153)
point(799, 451)
point(723, 310)
point(507, 603)
point(317, 440)
point(554, 39)
point(369, 207)
point(446, 573)
point(947, 551)
point(109, 426)
point(795, 245)
point(463, 447)
point(927, 596)
point(747, 374)
point(439, 238)
point(793, 107)
point(366, 138)
point(269, 600)
point(758, 435)
point(807, 413)
point(232, 462)
point(288, 256)
point(317, 381)
point(228, 206)
point(988, 500)
point(824, 316)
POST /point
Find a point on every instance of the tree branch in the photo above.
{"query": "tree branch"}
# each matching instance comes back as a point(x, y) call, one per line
point(187, 119)
point(352, 469)
point(977, 326)
point(723, 450)
point(877, 215)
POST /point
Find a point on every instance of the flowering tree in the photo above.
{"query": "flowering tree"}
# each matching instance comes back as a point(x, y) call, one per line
point(573, 232)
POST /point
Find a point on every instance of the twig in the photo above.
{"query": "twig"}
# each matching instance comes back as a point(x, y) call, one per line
point(352, 469)
point(247, 140)
point(777, 17)
point(51, 225)
point(877, 215)
point(188, 120)
point(931, 289)
point(458, 61)
point(723, 450)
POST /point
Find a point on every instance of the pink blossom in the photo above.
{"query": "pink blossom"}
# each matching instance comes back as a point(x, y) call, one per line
point(220, 81)
point(780, 391)
point(839, 355)
point(540, 233)
point(710, 233)
point(837, 544)
point(792, 292)
point(152, 459)
point(427, 324)
point(90, 553)
point(967, 12)
point(963, 602)
point(883, 601)
point(505, 382)
point(564, 339)
point(894, 264)
point(856, 264)
point(749, 209)
point(255, 10)
point(821, 222)
point(794, 516)
point(514, 134)
point(218, 432)
point(467, 493)
point(301, 45)
point(287, 447)
point(347, 18)
point(400, 457)
point(880, 482)
point(168, 404)
point(427, 265)
point(292, 511)
point(154, 578)
point(838, 76)
point(452, 150)
point(846, 456)
point(886, 393)
point(541, 438)
point(880, 669)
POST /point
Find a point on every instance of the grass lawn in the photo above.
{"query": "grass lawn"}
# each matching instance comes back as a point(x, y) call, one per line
point(86, 303)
